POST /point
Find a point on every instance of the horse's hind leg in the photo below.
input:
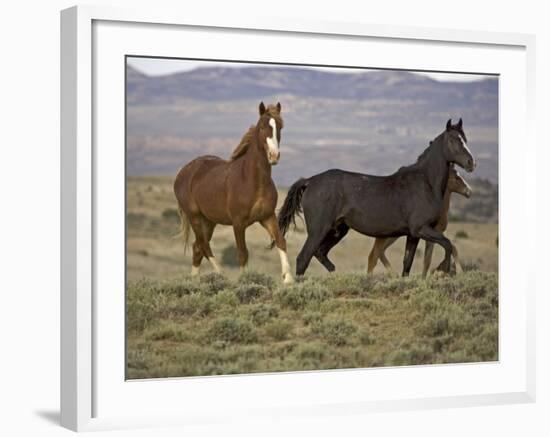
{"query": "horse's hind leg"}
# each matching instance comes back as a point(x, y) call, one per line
point(313, 241)
point(333, 237)
point(272, 227)
point(378, 253)
point(203, 229)
point(322, 252)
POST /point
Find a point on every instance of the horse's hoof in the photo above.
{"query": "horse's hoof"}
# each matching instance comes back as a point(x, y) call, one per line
point(288, 279)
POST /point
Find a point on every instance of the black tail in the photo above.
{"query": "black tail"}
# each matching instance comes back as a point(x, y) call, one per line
point(292, 205)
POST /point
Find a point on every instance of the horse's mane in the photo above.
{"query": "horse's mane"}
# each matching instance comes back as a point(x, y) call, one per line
point(246, 140)
point(420, 157)
point(243, 145)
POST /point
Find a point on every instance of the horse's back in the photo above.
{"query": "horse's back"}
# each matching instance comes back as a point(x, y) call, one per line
point(325, 195)
point(193, 172)
point(369, 204)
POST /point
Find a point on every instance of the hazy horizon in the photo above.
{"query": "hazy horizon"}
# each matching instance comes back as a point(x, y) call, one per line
point(156, 67)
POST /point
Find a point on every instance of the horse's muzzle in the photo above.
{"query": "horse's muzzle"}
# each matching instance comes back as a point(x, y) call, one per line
point(273, 158)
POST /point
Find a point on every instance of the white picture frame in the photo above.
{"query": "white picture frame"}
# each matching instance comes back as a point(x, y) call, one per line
point(87, 373)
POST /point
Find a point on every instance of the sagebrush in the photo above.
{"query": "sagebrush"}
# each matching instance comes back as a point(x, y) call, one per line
point(212, 326)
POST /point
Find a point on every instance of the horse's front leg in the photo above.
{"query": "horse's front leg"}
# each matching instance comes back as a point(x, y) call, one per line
point(456, 260)
point(432, 235)
point(378, 253)
point(410, 250)
point(272, 227)
point(242, 252)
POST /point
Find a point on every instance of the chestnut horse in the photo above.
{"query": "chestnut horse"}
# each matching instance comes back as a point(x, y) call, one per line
point(238, 192)
point(455, 184)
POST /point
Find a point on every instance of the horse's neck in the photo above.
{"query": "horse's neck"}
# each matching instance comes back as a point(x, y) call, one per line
point(255, 163)
point(436, 168)
point(444, 216)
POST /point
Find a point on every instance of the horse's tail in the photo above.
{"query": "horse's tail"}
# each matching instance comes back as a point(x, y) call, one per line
point(185, 228)
point(292, 205)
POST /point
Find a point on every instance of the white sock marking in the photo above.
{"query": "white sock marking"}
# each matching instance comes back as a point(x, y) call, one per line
point(194, 271)
point(285, 267)
point(215, 264)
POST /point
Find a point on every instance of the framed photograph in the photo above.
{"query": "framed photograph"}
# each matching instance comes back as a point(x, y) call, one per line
point(268, 219)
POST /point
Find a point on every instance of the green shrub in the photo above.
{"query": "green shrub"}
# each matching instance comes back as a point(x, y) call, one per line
point(485, 346)
point(257, 278)
point(396, 285)
point(311, 351)
point(335, 332)
point(171, 214)
point(477, 284)
point(210, 326)
point(230, 256)
point(262, 313)
point(144, 304)
point(232, 330)
point(249, 292)
point(136, 220)
point(225, 300)
point(470, 266)
point(213, 283)
point(413, 355)
point(434, 325)
point(350, 284)
point(312, 318)
point(189, 305)
point(138, 357)
point(182, 288)
point(365, 337)
point(299, 295)
point(167, 331)
point(461, 234)
point(279, 329)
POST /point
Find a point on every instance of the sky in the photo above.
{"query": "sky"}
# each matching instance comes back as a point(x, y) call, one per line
point(159, 67)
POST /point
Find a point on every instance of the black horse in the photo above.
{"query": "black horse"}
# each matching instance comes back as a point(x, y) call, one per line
point(406, 203)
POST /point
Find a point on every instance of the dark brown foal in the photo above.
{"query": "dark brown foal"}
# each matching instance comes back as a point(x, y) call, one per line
point(455, 184)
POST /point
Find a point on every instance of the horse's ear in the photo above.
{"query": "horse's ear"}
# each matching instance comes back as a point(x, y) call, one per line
point(279, 107)
point(459, 125)
point(448, 127)
point(262, 108)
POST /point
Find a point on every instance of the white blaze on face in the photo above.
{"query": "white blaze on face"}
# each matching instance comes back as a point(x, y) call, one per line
point(466, 147)
point(467, 189)
point(272, 142)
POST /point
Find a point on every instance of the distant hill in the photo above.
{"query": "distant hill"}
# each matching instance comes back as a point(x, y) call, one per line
point(372, 122)
point(214, 84)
